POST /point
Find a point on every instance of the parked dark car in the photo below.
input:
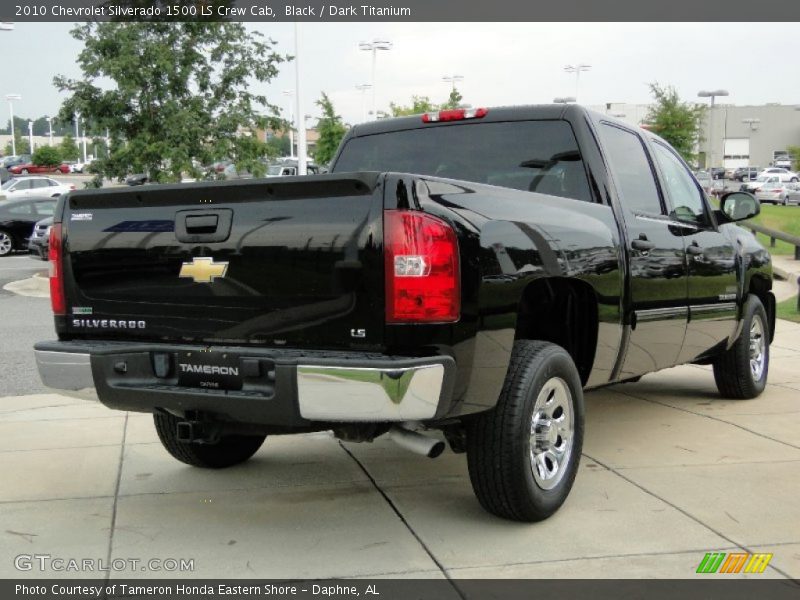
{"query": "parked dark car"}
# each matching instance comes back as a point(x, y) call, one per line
point(39, 242)
point(748, 173)
point(137, 179)
point(717, 172)
point(14, 160)
point(17, 219)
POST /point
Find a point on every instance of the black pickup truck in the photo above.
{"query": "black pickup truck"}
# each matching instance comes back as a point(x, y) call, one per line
point(470, 271)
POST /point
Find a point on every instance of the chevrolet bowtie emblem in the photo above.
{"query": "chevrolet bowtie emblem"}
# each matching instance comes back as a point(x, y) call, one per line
point(203, 270)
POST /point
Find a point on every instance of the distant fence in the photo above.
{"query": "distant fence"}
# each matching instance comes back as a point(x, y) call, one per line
point(776, 235)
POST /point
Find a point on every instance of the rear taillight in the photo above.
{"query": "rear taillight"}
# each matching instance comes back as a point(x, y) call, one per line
point(454, 114)
point(56, 265)
point(72, 187)
point(422, 268)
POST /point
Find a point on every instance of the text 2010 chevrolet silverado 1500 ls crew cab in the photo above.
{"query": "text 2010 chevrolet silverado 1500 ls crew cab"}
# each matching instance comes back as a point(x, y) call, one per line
point(469, 271)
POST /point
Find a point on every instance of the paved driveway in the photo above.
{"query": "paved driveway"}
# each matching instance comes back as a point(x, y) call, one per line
point(669, 473)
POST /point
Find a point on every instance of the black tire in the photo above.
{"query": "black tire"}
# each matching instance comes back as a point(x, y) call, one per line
point(24, 172)
point(7, 243)
point(230, 450)
point(734, 374)
point(793, 180)
point(499, 453)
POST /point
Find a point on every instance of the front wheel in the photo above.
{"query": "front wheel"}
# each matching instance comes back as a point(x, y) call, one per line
point(24, 172)
point(741, 372)
point(230, 450)
point(523, 454)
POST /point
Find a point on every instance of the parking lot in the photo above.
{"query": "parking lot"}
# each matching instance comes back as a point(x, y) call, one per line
point(669, 473)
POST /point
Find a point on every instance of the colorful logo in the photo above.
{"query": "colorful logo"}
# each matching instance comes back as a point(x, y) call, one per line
point(734, 562)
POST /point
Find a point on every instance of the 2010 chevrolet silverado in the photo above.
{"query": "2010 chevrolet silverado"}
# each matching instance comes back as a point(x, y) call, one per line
point(470, 271)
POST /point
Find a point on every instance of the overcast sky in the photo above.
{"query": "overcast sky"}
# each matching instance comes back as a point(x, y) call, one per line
point(502, 63)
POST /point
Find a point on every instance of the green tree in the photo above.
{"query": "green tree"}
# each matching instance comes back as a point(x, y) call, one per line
point(23, 147)
point(419, 105)
point(453, 100)
point(794, 152)
point(331, 131)
point(68, 148)
point(172, 94)
point(278, 145)
point(675, 121)
point(47, 156)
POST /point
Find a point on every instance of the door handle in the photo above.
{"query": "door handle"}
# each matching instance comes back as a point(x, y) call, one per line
point(642, 243)
point(202, 224)
point(694, 249)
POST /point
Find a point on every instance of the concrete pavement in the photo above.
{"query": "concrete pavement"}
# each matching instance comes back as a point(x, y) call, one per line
point(669, 472)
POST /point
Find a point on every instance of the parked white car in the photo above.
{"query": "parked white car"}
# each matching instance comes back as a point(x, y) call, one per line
point(782, 174)
point(20, 187)
point(774, 193)
point(758, 183)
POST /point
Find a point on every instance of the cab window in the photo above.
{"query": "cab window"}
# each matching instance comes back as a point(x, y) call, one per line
point(686, 197)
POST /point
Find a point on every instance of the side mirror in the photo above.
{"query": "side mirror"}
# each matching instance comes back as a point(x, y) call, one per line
point(739, 206)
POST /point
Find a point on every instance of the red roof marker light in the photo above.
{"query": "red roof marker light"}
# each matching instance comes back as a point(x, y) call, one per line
point(454, 114)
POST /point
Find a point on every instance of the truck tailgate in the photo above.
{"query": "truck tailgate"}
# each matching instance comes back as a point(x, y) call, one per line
point(292, 261)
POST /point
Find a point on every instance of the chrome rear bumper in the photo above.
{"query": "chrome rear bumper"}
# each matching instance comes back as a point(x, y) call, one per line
point(351, 388)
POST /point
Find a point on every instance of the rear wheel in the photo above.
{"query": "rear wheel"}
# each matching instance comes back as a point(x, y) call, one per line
point(230, 450)
point(6, 243)
point(24, 172)
point(523, 454)
point(741, 372)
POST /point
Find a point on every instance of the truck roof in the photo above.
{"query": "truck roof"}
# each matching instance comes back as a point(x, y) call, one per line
point(495, 114)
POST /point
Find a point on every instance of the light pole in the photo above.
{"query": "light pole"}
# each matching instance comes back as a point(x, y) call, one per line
point(30, 135)
point(363, 88)
point(290, 93)
point(298, 111)
point(711, 94)
point(563, 99)
point(11, 98)
point(373, 47)
point(50, 123)
point(577, 69)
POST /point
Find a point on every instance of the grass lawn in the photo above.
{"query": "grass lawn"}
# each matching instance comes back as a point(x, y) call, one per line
point(780, 218)
point(788, 310)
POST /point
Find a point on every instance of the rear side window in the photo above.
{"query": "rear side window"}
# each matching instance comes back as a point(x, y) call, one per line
point(534, 156)
point(631, 169)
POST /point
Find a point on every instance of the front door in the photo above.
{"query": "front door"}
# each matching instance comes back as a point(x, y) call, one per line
point(711, 258)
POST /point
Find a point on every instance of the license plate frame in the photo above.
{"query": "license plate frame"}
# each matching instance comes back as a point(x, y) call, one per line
point(210, 370)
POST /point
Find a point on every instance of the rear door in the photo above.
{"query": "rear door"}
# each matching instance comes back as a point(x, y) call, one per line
point(656, 310)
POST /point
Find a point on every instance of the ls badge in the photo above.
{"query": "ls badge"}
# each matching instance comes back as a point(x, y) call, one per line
point(203, 270)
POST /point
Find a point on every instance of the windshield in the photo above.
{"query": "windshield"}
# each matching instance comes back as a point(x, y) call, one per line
point(274, 170)
point(534, 156)
point(8, 184)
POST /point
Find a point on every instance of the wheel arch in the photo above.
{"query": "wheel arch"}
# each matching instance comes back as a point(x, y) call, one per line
point(563, 311)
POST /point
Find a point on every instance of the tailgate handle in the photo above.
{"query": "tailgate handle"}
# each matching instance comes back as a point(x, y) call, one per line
point(202, 224)
point(206, 225)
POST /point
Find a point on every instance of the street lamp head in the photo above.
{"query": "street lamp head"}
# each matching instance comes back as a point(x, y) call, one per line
point(375, 45)
point(452, 78)
point(363, 86)
point(288, 92)
point(13, 97)
point(563, 100)
point(712, 93)
point(6, 26)
point(577, 68)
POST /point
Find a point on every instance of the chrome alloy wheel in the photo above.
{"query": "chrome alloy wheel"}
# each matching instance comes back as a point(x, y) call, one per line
point(758, 355)
point(5, 243)
point(552, 432)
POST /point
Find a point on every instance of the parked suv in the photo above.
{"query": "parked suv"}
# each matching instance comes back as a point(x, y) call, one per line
point(746, 173)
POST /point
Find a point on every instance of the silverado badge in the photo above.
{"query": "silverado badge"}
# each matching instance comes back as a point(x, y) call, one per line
point(203, 269)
